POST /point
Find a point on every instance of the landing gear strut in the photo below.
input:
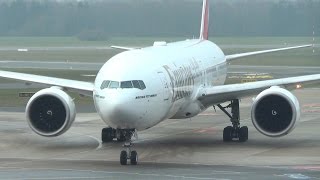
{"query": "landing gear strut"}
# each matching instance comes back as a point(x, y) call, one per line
point(128, 154)
point(235, 131)
point(108, 134)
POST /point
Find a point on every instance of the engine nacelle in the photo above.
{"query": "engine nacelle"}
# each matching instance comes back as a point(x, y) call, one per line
point(275, 112)
point(50, 112)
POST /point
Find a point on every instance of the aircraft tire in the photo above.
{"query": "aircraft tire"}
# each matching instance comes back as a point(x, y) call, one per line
point(107, 135)
point(243, 134)
point(123, 157)
point(227, 134)
point(134, 158)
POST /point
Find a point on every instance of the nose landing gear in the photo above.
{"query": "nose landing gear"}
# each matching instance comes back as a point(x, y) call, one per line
point(108, 134)
point(128, 154)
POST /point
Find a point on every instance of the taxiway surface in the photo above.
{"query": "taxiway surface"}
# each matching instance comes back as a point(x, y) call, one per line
point(174, 149)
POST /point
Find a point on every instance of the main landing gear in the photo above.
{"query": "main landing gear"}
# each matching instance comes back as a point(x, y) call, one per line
point(234, 132)
point(108, 134)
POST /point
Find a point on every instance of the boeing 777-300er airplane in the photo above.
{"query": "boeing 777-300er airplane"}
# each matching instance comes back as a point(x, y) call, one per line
point(139, 88)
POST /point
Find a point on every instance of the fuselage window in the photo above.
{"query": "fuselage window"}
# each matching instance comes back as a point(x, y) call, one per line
point(104, 85)
point(126, 84)
point(142, 85)
point(114, 85)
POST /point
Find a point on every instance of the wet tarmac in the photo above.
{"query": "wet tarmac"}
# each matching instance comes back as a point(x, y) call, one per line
point(174, 149)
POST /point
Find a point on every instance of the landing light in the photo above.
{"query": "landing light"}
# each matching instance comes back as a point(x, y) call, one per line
point(298, 86)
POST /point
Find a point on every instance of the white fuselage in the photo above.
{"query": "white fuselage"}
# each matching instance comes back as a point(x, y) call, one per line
point(173, 74)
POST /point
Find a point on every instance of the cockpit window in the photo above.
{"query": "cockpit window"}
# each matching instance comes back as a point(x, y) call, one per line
point(138, 84)
point(104, 85)
point(126, 84)
point(114, 84)
point(142, 85)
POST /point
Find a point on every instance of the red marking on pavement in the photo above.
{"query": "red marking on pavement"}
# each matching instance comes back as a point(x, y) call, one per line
point(312, 168)
point(205, 130)
point(311, 111)
point(311, 108)
point(317, 105)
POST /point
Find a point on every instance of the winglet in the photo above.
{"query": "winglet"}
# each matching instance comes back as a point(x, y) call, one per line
point(204, 31)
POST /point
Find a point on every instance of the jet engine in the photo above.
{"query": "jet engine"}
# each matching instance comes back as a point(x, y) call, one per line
point(50, 112)
point(275, 112)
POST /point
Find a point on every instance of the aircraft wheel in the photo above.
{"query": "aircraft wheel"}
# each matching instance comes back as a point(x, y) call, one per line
point(134, 158)
point(123, 158)
point(107, 135)
point(227, 134)
point(243, 134)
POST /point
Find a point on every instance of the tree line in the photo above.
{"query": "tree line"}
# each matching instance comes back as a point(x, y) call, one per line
point(98, 20)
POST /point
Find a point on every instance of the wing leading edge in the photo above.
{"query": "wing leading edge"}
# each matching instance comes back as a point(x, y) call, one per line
point(241, 55)
point(219, 94)
point(81, 87)
point(123, 48)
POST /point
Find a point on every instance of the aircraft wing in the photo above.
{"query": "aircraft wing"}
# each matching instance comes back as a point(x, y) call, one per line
point(81, 87)
point(123, 48)
point(241, 55)
point(219, 94)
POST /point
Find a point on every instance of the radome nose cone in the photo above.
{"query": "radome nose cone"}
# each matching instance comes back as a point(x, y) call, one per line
point(118, 110)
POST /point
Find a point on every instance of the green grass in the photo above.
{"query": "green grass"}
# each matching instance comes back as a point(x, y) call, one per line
point(46, 42)
point(87, 55)
point(75, 42)
point(264, 40)
point(96, 54)
point(303, 57)
point(143, 41)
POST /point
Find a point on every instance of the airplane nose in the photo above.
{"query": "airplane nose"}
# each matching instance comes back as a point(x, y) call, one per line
point(118, 111)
